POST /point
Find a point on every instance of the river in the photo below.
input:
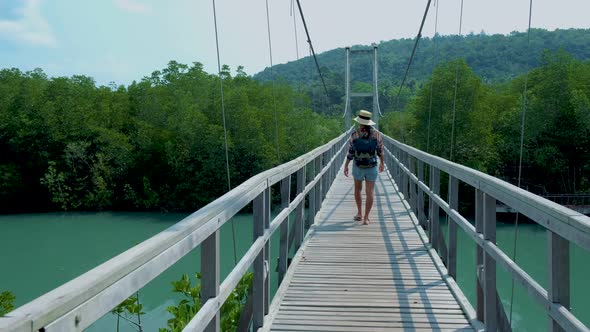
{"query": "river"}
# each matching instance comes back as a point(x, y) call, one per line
point(39, 252)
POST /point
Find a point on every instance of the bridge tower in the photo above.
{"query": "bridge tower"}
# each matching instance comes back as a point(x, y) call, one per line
point(348, 112)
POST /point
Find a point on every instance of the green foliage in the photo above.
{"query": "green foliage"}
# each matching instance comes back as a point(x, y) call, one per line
point(6, 302)
point(488, 122)
point(156, 144)
point(191, 303)
point(129, 310)
point(494, 58)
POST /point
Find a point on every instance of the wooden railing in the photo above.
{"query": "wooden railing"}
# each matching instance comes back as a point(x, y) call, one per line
point(77, 304)
point(417, 174)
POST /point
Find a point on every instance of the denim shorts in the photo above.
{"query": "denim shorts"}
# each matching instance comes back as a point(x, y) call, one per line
point(368, 174)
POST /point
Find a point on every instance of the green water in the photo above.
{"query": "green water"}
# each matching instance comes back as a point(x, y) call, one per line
point(42, 251)
point(527, 315)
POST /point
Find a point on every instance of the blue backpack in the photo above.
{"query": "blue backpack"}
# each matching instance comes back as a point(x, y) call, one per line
point(365, 151)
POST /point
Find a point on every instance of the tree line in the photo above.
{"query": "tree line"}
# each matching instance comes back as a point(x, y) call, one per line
point(68, 144)
point(486, 54)
point(488, 118)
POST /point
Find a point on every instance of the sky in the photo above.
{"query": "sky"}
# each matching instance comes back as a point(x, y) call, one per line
point(124, 40)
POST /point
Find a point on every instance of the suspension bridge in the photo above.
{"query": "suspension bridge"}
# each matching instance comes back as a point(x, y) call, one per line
point(397, 273)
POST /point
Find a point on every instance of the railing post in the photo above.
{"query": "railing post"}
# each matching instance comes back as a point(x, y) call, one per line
point(318, 186)
point(394, 165)
point(421, 218)
point(299, 221)
point(210, 275)
point(454, 205)
point(312, 193)
point(327, 181)
point(284, 235)
point(387, 157)
point(404, 177)
point(479, 254)
point(412, 199)
point(333, 168)
point(258, 265)
point(559, 274)
point(267, 206)
point(489, 265)
point(434, 225)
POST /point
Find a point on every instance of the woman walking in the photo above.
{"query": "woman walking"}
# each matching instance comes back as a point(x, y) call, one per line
point(366, 145)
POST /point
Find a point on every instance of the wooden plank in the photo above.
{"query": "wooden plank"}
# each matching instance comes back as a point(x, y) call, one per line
point(368, 326)
point(372, 310)
point(384, 319)
point(356, 328)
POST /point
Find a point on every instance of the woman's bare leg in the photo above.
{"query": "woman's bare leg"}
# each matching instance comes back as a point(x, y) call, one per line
point(358, 187)
point(369, 190)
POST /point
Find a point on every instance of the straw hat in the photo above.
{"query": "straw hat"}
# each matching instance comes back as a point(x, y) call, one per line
point(364, 118)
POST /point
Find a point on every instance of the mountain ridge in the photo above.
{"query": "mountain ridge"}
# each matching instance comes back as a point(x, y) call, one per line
point(494, 57)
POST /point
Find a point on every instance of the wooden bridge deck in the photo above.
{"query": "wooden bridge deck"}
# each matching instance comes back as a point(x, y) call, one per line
point(352, 277)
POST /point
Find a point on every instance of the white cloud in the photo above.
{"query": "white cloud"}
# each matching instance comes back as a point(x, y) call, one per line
point(133, 6)
point(30, 27)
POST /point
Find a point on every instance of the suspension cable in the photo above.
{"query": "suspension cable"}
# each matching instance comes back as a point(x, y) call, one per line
point(522, 123)
point(413, 50)
point(311, 48)
point(224, 125)
point(436, 4)
point(274, 103)
point(292, 13)
point(455, 94)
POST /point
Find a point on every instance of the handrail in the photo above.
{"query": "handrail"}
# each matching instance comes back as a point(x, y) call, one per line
point(408, 166)
point(83, 300)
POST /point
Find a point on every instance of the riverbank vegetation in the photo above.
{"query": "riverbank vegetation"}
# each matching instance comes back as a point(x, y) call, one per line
point(189, 305)
point(6, 302)
point(556, 154)
point(66, 144)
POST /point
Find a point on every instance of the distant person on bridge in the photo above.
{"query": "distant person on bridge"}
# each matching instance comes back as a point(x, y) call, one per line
point(366, 145)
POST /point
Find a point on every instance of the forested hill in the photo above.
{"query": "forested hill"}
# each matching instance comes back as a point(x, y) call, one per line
point(494, 58)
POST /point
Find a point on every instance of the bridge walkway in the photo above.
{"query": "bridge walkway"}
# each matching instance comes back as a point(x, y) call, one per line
point(376, 277)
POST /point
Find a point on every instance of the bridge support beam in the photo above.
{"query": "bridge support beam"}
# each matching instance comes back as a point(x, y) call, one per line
point(559, 274)
point(267, 198)
point(284, 231)
point(300, 219)
point(210, 275)
point(413, 201)
point(318, 189)
point(434, 224)
point(489, 264)
point(421, 216)
point(479, 254)
point(453, 204)
point(258, 284)
point(374, 94)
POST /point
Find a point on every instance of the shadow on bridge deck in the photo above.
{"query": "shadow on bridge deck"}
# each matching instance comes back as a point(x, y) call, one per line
point(352, 277)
